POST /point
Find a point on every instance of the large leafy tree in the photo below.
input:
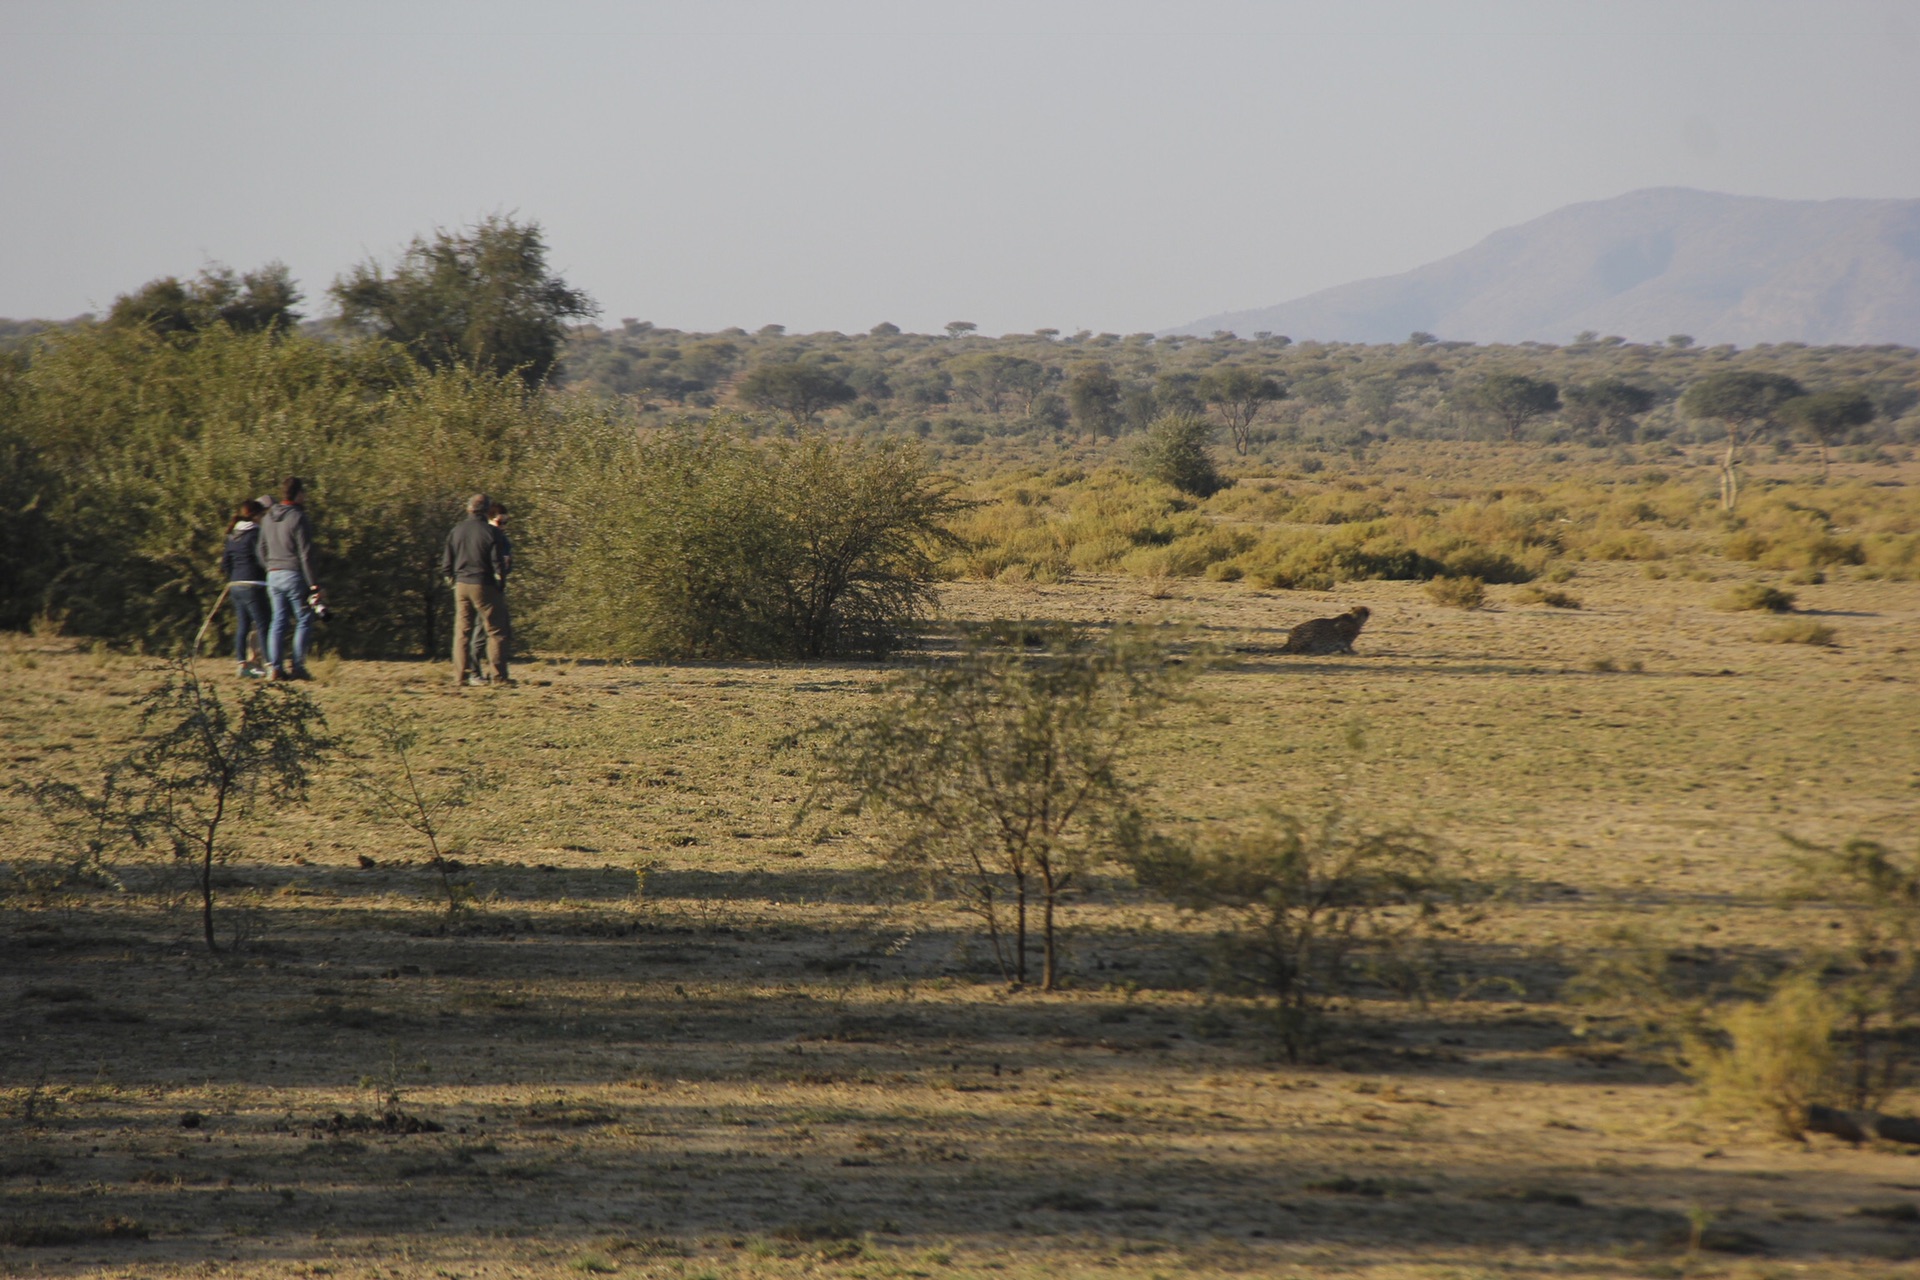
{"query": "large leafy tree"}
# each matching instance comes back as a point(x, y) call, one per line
point(1827, 416)
point(482, 297)
point(1514, 400)
point(258, 301)
point(989, 379)
point(1607, 407)
point(1238, 395)
point(798, 389)
point(1094, 396)
point(1745, 404)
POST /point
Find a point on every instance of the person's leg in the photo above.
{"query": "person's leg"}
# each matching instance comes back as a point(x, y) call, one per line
point(280, 584)
point(477, 649)
point(242, 625)
point(499, 631)
point(465, 602)
point(302, 626)
point(250, 624)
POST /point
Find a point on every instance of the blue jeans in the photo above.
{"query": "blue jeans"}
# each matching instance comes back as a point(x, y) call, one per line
point(251, 616)
point(287, 589)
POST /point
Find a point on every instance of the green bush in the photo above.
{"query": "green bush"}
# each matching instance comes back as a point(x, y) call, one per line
point(1175, 451)
point(1772, 1059)
point(704, 542)
point(1471, 560)
point(1315, 559)
point(1831, 1023)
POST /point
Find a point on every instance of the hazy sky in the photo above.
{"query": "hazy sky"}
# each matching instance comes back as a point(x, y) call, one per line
point(1104, 165)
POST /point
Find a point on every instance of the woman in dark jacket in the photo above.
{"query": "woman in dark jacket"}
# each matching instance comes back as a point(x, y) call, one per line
point(246, 583)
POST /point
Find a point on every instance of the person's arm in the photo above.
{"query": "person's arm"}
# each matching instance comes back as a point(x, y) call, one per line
point(302, 540)
point(446, 559)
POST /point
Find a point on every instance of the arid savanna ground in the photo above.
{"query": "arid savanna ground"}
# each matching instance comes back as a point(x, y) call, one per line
point(680, 1034)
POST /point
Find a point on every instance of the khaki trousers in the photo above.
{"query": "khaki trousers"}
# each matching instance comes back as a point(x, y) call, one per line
point(488, 604)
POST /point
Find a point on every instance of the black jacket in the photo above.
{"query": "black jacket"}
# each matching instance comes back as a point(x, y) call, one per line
point(241, 560)
point(473, 553)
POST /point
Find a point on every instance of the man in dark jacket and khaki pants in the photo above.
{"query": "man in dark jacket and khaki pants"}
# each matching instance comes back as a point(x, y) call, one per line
point(473, 559)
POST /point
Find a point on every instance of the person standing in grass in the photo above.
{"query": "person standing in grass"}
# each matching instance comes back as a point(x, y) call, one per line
point(286, 550)
point(474, 560)
point(497, 517)
point(246, 584)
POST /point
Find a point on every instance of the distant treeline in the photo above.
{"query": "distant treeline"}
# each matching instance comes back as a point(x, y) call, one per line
point(961, 387)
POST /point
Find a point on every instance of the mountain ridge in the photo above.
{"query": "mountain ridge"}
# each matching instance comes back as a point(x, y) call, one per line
point(1644, 265)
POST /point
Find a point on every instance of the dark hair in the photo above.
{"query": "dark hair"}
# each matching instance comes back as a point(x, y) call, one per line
point(248, 510)
point(477, 504)
point(291, 488)
point(495, 510)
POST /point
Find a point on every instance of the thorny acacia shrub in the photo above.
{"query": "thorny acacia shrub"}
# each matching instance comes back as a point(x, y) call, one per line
point(1871, 976)
point(1830, 1025)
point(705, 542)
point(89, 826)
point(1774, 1058)
point(201, 763)
point(1756, 1048)
point(1000, 772)
point(1308, 911)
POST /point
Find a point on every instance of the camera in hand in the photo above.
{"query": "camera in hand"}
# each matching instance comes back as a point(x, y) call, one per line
point(317, 603)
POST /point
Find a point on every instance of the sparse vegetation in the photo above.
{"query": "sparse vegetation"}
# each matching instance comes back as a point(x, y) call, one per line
point(1003, 772)
point(1825, 1025)
point(1312, 912)
point(1800, 631)
point(1553, 599)
point(200, 764)
point(1458, 593)
point(418, 803)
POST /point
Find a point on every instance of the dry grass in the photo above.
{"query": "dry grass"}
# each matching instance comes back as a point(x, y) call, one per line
point(1799, 631)
point(677, 1035)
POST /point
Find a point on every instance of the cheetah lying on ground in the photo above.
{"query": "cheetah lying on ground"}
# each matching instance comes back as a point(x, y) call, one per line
point(1327, 635)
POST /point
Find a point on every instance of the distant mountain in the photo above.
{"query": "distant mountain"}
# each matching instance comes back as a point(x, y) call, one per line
point(1739, 269)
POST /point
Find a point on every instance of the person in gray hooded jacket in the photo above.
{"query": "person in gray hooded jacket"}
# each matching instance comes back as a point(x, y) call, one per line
point(286, 550)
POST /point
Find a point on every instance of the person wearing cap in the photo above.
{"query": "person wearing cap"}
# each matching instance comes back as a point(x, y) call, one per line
point(286, 550)
point(475, 561)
